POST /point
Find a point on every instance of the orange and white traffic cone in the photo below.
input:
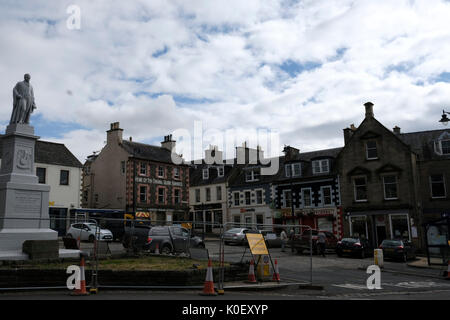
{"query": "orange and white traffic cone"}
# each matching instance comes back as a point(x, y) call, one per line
point(82, 291)
point(157, 248)
point(276, 274)
point(251, 273)
point(208, 288)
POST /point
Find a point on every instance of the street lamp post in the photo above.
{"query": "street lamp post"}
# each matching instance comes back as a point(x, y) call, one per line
point(444, 120)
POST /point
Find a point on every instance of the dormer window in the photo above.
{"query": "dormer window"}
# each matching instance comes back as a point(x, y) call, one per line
point(321, 166)
point(205, 174)
point(294, 168)
point(220, 171)
point(442, 144)
point(252, 175)
point(371, 150)
point(445, 146)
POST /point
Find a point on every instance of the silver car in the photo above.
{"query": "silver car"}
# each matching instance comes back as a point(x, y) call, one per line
point(237, 235)
point(86, 231)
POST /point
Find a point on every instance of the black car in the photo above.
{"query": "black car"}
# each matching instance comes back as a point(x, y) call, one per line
point(397, 249)
point(168, 239)
point(354, 247)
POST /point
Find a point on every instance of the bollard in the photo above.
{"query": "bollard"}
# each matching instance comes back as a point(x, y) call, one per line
point(378, 257)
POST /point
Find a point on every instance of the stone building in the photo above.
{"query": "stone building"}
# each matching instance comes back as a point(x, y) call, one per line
point(139, 178)
point(306, 190)
point(208, 191)
point(379, 183)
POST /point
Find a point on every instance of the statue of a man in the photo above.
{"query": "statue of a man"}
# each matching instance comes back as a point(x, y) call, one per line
point(23, 101)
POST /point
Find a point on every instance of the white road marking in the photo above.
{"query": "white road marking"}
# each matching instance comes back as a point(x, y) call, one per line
point(351, 286)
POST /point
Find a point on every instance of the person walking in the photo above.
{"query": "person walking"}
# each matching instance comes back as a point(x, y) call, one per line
point(284, 238)
point(321, 240)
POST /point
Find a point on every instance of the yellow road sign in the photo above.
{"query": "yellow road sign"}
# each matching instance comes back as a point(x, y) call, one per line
point(257, 243)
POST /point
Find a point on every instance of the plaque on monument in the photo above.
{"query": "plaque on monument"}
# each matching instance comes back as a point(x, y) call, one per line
point(23, 201)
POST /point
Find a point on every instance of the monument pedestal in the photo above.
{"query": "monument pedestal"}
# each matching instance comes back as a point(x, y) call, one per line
point(23, 201)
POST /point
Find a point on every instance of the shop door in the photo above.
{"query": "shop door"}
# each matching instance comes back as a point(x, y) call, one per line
point(380, 229)
point(208, 220)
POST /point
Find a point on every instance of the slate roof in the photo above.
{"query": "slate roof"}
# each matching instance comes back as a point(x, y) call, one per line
point(196, 174)
point(422, 143)
point(147, 152)
point(51, 153)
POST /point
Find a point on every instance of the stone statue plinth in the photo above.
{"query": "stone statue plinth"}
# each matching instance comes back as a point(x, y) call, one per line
point(23, 201)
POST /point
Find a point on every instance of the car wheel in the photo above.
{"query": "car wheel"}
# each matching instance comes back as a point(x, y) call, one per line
point(69, 235)
point(166, 250)
point(91, 238)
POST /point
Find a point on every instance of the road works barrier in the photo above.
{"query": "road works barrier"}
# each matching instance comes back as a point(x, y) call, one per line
point(232, 269)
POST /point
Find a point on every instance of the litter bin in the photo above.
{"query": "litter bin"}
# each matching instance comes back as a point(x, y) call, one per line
point(378, 257)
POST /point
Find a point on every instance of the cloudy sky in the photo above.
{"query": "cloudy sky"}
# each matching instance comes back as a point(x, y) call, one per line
point(300, 68)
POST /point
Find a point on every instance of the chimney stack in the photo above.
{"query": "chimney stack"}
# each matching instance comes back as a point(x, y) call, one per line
point(369, 109)
point(396, 130)
point(114, 135)
point(168, 143)
point(213, 155)
point(290, 153)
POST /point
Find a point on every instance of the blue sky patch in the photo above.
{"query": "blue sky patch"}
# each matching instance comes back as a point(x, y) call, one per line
point(294, 68)
point(443, 77)
point(46, 128)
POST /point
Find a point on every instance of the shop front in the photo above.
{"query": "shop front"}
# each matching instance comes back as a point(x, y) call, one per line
point(258, 217)
point(324, 219)
point(380, 225)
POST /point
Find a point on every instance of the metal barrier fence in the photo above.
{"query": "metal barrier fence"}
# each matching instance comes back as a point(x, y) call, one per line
point(131, 241)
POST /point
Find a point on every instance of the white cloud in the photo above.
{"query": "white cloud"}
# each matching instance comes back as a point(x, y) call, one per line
point(138, 62)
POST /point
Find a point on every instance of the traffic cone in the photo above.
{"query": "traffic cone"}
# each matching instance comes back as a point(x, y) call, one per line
point(79, 243)
point(82, 291)
point(251, 273)
point(208, 289)
point(276, 274)
point(157, 248)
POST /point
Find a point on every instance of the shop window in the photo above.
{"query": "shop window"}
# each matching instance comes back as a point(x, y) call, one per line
point(218, 216)
point(400, 227)
point(358, 227)
point(237, 221)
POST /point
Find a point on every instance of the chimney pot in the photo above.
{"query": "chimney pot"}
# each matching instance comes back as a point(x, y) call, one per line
point(396, 130)
point(369, 109)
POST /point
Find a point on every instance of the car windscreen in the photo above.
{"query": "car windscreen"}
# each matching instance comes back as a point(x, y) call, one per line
point(159, 231)
point(236, 230)
point(391, 243)
point(350, 240)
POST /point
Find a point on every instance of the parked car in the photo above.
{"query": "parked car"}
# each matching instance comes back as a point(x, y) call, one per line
point(137, 236)
point(354, 247)
point(273, 240)
point(169, 239)
point(86, 231)
point(398, 249)
point(301, 241)
point(237, 235)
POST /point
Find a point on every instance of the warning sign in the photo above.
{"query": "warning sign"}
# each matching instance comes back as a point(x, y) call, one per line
point(256, 243)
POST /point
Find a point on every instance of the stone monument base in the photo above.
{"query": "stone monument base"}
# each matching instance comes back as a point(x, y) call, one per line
point(13, 239)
